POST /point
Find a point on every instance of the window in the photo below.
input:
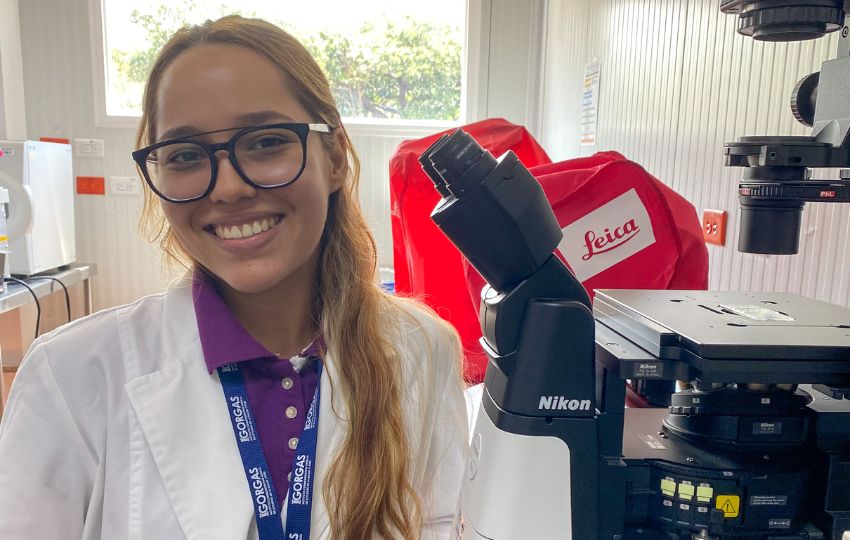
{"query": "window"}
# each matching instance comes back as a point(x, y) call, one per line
point(387, 60)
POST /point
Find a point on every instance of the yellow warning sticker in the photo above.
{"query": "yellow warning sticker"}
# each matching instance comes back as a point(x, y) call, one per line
point(730, 504)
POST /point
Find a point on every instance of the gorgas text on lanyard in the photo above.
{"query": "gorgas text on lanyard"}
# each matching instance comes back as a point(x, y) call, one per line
point(299, 500)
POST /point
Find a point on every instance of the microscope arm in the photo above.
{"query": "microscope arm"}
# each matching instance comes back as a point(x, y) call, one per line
point(538, 333)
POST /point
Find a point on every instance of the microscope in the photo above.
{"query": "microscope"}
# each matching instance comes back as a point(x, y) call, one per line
point(777, 176)
point(755, 444)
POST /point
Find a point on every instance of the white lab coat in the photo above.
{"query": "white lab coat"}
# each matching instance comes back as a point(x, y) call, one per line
point(115, 429)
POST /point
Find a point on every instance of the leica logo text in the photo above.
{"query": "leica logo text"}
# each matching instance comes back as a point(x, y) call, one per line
point(607, 235)
point(608, 240)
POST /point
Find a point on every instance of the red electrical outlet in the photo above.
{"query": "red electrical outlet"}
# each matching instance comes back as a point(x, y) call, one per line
point(714, 227)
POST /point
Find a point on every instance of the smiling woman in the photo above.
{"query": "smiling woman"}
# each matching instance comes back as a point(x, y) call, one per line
point(276, 391)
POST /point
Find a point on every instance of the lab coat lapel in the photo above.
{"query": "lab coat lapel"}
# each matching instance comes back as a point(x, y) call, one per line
point(333, 423)
point(183, 414)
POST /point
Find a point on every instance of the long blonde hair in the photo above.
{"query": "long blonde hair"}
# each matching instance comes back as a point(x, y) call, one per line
point(368, 489)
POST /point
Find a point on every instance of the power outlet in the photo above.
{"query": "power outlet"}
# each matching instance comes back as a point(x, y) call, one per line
point(714, 227)
point(124, 185)
point(91, 148)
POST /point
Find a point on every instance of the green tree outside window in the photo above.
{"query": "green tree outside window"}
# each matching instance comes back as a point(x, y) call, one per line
point(404, 70)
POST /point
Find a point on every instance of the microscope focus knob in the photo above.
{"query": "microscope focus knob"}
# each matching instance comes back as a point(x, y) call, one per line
point(804, 98)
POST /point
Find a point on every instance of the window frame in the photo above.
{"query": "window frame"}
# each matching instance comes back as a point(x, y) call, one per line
point(473, 56)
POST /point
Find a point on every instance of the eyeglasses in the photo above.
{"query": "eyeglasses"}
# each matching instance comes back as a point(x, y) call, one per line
point(266, 157)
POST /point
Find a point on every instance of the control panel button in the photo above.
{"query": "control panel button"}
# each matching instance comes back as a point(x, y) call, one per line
point(686, 490)
point(668, 486)
point(704, 493)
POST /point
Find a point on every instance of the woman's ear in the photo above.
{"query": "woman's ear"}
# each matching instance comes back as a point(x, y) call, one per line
point(339, 164)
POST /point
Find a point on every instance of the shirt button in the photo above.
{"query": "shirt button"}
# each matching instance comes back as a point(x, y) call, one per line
point(291, 412)
point(286, 383)
point(293, 443)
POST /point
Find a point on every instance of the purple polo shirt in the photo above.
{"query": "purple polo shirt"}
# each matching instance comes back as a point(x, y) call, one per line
point(279, 390)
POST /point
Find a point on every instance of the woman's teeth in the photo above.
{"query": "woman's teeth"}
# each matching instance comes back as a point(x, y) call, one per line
point(246, 230)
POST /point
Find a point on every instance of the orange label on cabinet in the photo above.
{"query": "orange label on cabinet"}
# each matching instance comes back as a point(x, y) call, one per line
point(91, 185)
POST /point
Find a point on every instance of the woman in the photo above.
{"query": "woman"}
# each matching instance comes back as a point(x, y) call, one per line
point(193, 413)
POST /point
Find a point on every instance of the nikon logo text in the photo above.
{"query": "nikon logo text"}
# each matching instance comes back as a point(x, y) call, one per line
point(562, 403)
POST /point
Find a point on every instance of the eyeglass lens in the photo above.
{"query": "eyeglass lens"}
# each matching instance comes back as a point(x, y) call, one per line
point(268, 157)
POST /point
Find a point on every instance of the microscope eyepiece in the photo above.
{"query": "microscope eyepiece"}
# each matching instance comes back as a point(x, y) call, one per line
point(460, 161)
point(429, 169)
point(456, 155)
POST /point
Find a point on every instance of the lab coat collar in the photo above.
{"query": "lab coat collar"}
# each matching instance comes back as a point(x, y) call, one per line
point(183, 414)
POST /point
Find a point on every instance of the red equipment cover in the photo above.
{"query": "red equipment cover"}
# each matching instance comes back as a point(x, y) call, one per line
point(426, 264)
point(623, 229)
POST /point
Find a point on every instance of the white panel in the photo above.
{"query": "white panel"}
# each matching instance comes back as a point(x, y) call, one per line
point(12, 117)
point(515, 62)
point(375, 153)
point(677, 82)
point(477, 54)
point(563, 74)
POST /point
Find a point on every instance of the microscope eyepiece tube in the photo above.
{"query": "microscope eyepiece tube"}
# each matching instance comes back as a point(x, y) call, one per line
point(498, 215)
point(461, 162)
point(429, 169)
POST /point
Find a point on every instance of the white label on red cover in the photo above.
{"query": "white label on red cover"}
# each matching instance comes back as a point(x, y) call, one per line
point(608, 235)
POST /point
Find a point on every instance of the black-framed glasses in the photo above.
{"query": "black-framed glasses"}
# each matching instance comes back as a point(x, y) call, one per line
point(185, 169)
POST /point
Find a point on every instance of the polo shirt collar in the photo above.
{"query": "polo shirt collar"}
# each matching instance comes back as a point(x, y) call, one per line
point(223, 339)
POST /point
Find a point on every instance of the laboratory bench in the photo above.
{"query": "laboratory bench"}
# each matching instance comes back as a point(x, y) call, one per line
point(18, 313)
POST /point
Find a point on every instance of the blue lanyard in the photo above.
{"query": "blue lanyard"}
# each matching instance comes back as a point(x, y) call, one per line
point(300, 496)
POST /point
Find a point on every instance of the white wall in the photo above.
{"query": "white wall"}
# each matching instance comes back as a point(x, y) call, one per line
point(13, 123)
point(677, 82)
point(508, 61)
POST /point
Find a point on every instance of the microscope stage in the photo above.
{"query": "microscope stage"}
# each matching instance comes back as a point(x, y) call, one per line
point(751, 337)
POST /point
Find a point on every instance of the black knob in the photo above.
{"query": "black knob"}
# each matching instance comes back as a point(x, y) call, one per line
point(804, 98)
